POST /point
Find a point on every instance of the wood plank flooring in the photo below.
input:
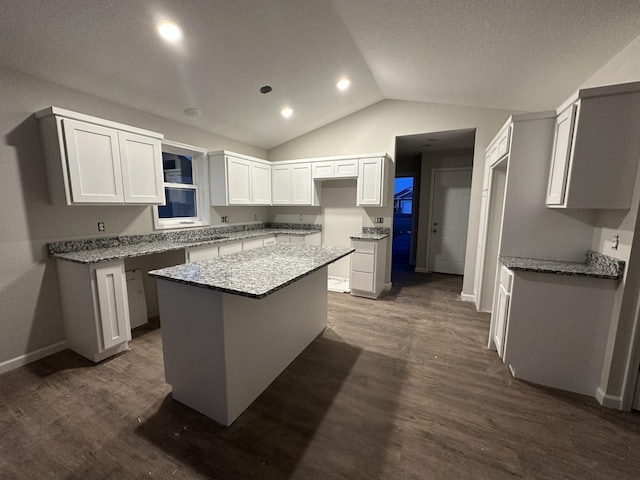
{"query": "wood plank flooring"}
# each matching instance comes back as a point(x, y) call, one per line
point(399, 388)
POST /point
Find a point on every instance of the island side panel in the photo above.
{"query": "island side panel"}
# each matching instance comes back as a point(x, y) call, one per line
point(262, 337)
point(193, 347)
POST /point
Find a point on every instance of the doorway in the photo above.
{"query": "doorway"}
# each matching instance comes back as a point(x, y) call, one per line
point(402, 222)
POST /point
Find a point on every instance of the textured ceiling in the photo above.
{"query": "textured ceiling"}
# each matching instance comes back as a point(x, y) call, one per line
point(513, 54)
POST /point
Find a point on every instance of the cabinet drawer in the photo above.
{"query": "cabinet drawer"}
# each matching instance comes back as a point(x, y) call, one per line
point(323, 169)
point(364, 247)
point(253, 243)
point(228, 248)
point(362, 262)
point(346, 168)
point(362, 281)
point(201, 253)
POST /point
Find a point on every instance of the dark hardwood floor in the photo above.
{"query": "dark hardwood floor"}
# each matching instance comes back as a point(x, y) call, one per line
point(399, 388)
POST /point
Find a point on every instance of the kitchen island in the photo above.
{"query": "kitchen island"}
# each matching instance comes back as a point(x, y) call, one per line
point(231, 325)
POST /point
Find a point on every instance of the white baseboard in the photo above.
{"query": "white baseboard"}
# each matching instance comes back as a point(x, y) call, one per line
point(421, 270)
point(387, 286)
point(609, 401)
point(465, 297)
point(22, 360)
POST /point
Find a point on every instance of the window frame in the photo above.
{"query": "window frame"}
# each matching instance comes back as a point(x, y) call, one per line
point(200, 170)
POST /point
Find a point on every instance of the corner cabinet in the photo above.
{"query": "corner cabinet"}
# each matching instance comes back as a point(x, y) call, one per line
point(372, 182)
point(98, 162)
point(95, 308)
point(596, 149)
point(236, 179)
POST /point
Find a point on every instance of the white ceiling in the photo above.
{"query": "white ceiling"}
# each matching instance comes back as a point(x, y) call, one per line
point(512, 54)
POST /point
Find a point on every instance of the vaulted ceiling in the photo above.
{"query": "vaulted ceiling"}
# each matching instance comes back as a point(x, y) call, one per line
point(512, 54)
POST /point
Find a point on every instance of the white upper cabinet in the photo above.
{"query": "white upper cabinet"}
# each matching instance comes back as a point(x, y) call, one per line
point(236, 179)
point(372, 182)
point(596, 149)
point(142, 173)
point(292, 184)
point(260, 184)
point(330, 169)
point(560, 156)
point(95, 161)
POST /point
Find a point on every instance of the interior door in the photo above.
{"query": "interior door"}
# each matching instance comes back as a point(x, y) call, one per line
point(449, 220)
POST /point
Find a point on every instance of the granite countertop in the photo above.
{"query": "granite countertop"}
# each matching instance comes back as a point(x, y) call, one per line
point(372, 233)
point(116, 248)
point(254, 273)
point(596, 265)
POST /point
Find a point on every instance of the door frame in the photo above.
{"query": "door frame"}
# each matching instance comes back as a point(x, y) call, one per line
point(431, 192)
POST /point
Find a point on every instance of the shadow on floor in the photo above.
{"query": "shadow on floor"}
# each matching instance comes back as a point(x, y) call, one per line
point(271, 437)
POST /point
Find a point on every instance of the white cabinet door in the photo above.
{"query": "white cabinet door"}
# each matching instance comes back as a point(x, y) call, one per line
point(301, 184)
point(238, 181)
point(93, 160)
point(260, 184)
point(502, 314)
point(370, 182)
point(281, 185)
point(561, 156)
point(113, 305)
point(142, 173)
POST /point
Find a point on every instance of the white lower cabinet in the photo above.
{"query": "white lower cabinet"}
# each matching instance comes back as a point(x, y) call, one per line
point(366, 278)
point(502, 309)
point(231, 247)
point(308, 239)
point(202, 252)
point(95, 307)
point(252, 243)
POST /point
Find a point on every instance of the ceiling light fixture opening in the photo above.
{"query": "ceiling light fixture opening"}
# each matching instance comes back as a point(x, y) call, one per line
point(265, 89)
point(192, 112)
point(286, 112)
point(343, 84)
point(169, 31)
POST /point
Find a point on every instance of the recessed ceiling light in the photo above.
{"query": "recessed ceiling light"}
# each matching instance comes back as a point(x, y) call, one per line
point(343, 84)
point(286, 112)
point(169, 31)
point(265, 89)
point(192, 112)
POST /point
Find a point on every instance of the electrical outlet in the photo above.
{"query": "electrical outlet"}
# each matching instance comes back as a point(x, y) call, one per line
point(378, 220)
point(616, 241)
point(101, 226)
point(300, 217)
point(224, 219)
point(255, 216)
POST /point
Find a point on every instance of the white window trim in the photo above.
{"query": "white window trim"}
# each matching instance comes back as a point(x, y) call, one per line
point(200, 182)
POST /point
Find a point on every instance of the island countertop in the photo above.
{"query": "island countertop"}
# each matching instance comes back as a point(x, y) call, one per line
point(254, 273)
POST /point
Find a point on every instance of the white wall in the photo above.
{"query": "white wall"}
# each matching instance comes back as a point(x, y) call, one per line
point(30, 312)
point(621, 362)
point(374, 129)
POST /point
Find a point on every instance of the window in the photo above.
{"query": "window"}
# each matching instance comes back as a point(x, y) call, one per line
point(186, 189)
